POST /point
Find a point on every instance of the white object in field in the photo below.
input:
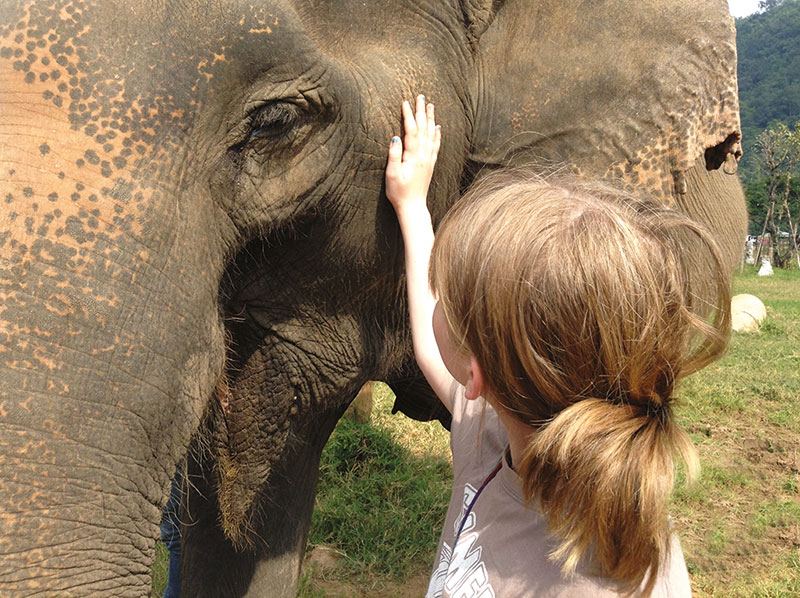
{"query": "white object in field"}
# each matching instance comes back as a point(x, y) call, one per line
point(747, 313)
point(749, 250)
point(766, 268)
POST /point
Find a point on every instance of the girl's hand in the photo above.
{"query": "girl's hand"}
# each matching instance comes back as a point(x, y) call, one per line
point(410, 167)
point(408, 175)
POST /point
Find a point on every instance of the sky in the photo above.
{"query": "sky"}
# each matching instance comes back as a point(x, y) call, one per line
point(742, 8)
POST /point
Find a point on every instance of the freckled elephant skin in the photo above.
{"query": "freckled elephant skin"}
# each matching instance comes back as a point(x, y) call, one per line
point(197, 258)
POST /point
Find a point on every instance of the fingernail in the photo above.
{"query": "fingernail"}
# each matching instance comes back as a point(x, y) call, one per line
point(423, 97)
point(395, 139)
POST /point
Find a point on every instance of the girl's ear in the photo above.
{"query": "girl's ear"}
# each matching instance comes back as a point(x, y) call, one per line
point(476, 382)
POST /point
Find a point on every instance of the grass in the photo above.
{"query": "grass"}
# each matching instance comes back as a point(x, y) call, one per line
point(159, 571)
point(384, 486)
point(383, 493)
point(740, 525)
point(380, 500)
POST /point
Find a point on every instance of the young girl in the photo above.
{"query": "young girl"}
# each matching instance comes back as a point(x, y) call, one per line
point(566, 313)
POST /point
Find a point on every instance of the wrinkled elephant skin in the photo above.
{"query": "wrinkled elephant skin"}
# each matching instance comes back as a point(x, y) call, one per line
point(197, 257)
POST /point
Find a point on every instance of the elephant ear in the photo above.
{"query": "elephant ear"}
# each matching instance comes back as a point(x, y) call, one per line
point(415, 398)
point(626, 89)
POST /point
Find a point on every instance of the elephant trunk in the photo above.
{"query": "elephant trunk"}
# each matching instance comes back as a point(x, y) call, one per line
point(94, 415)
point(72, 523)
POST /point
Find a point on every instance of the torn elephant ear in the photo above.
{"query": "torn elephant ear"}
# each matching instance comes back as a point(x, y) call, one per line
point(612, 89)
point(728, 153)
point(725, 154)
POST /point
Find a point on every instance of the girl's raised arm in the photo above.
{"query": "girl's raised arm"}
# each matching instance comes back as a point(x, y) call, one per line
point(408, 175)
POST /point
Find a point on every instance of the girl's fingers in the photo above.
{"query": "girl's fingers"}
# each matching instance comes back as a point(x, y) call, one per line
point(437, 141)
point(395, 154)
point(419, 123)
point(409, 125)
point(430, 116)
point(409, 121)
point(422, 121)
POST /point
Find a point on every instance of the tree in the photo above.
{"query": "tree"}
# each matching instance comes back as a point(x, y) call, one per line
point(755, 189)
point(765, 5)
point(768, 45)
point(779, 155)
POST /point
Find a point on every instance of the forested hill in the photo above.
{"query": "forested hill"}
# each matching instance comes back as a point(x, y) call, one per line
point(769, 71)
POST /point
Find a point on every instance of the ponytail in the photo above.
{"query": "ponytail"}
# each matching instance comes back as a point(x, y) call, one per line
point(584, 306)
point(602, 473)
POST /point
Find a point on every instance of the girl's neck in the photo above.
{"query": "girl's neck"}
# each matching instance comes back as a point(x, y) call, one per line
point(519, 433)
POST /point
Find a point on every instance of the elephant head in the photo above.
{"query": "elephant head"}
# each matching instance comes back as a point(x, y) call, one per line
point(197, 249)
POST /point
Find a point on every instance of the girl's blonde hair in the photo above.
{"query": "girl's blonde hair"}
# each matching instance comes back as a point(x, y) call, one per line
point(584, 305)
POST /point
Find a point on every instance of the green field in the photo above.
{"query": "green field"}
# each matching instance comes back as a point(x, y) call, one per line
point(740, 524)
point(384, 485)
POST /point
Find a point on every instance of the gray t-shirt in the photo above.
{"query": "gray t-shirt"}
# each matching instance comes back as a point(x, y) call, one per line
point(503, 547)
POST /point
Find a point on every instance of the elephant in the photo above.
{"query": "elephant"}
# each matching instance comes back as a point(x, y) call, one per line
point(199, 266)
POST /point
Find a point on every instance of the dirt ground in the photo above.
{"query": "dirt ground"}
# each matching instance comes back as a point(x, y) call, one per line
point(321, 566)
point(414, 587)
point(756, 457)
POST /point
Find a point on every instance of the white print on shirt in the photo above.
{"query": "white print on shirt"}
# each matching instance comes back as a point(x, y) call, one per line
point(461, 571)
point(436, 585)
point(469, 524)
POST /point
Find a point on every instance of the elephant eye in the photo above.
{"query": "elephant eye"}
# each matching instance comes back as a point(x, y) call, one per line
point(273, 121)
point(276, 128)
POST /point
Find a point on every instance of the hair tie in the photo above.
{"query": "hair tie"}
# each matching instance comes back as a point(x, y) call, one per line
point(653, 410)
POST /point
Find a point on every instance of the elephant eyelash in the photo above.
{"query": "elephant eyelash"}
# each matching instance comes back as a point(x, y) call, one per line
point(273, 121)
point(270, 127)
